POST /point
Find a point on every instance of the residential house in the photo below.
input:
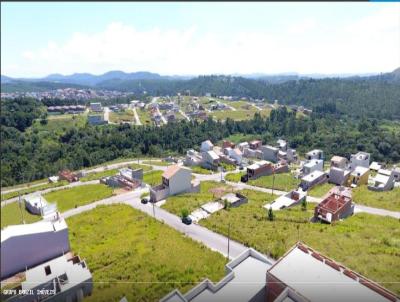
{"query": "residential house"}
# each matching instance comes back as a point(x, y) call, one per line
point(243, 145)
point(339, 162)
point(304, 275)
point(234, 199)
point(257, 170)
point(396, 173)
point(335, 206)
point(131, 174)
point(210, 160)
point(383, 181)
point(175, 180)
point(359, 159)
point(338, 176)
point(315, 154)
point(290, 199)
point(290, 155)
point(68, 176)
point(244, 281)
point(251, 153)
point(359, 176)
point(270, 153)
point(96, 119)
point(36, 204)
point(312, 165)
point(27, 245)
point(193, 158)
point(227, 144)
point(96, 107)
point(235, 154)
point(375, 166)
point(65, 278)
point(206, 146)
point(282, 144)
point(313, 179)
point(255, 144)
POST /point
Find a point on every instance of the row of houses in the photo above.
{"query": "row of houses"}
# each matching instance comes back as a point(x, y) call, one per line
point(37, 261)
point(301, 275)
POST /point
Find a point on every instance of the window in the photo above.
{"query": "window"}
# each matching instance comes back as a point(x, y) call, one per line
point(47, 270)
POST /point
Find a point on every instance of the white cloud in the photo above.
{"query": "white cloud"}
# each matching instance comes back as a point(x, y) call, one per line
point(371, 44)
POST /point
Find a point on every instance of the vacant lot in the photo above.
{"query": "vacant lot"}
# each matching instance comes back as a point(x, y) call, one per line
point(209, 191)
point(98, 175)
point(283, 182)
point(122, 116)
point(11, 214)
point(144, 116)
point(389, 200)
point(156, 163)
point(320, 190)
point(152, 178)
point(133, 255)
point(200, 170)
point(369, 244)
point(235, 177)
point(78, 196)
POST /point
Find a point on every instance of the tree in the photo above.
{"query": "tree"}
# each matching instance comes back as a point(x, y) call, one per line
point(271, 215)
point(304, 205)
point(184, 213)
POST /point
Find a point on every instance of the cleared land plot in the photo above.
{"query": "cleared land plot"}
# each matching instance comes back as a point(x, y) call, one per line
point(320, 190)
point(369, 244)
point(156, 163)
point(144, 116)
point(209, 191)
point(59, 123)
point(200, 170)
point(122, 116)
point(11, 214)
point(98, 175)
point(283, 182)
point(133, 255)
point(238, 138)
point(389, 200)
point(235, 177)
point(33, 189)
point(152, 178)
point(78, 196)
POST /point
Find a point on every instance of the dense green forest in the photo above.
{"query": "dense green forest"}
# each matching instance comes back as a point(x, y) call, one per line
point(29, 152)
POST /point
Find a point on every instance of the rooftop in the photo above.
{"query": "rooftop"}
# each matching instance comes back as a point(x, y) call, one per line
point(172, 170)
point(325, 279)
point(360, 170)
point(312, 176)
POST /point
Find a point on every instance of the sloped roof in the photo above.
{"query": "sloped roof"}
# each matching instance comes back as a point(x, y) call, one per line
point(171, 171)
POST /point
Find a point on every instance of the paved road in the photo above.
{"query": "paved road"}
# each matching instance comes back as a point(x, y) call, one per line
point(184, 115)
point(138, 122)
point(201, 234)
point(23, 187)
point(382, 212)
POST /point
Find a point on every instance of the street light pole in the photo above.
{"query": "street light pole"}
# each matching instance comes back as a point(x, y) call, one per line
point(154, 211)
point(273, 180)
point(229, 239)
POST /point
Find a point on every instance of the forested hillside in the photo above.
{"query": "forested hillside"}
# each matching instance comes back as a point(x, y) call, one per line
point(29, 153)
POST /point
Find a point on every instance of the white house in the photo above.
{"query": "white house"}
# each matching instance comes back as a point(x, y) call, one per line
point(243, 146)
point(35, 203)
point(270, 153)
point(383, 181)
point(313, 165)
point(359, 159)
point(67, 277)
point(288, 200)
point(27, 245)
point(210, 159)
point(235, 154)
point(375, 166)
point(175, 180)
point(315, 154)
point(282, 144)
point(313, 179)
point(206, 146)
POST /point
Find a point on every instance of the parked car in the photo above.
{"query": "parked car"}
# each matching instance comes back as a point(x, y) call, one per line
point(145, 200)
point(187, 220)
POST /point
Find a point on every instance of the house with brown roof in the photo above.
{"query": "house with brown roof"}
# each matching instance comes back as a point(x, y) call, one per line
point(175, 180)
point(335, 206)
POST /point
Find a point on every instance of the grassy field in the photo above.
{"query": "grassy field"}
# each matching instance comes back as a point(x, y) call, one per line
point(123, 116)
point(209, 191)
point(156, 163)
point(59, 123)
point(228, 167)
point(140, 166)
point(11, 214)
point(152, 178)
point(238, 138)
point(235, 177)
point(25, 185)
point(200, 170)
point(369, 244)
point(389, 200)
point(33, 189)
point(130, 254)
point(78, 196)
point(98, 175)
point(320, 190)
point(283, 182)
point(144, 116)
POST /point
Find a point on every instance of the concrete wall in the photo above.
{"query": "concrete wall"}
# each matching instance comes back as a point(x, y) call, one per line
point(20, 252)
point(180, 182)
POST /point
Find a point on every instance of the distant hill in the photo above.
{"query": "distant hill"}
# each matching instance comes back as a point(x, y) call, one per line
point(40, 86)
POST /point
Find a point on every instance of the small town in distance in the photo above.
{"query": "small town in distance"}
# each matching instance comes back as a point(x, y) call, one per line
point(184, 192)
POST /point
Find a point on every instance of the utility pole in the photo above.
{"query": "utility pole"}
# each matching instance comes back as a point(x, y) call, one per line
point(20, 208)
point(229, 239)
point(273, 180)
point(154, 211)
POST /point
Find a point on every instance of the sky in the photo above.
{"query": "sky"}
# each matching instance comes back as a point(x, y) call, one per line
point(195, 38)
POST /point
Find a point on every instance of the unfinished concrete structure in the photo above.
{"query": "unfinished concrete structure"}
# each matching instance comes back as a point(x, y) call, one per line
point(335, 206)
point(304, 275)
point(383, 181)
point(359, 176)
point(258, 169)
point(315, 154)
point(27, 245)
point(270, 153)
point(234, 199)
point(67, 278)
point(360, 159)
point(313, 179)
point(290, 199)
point(68, 176)
point(175, 180)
